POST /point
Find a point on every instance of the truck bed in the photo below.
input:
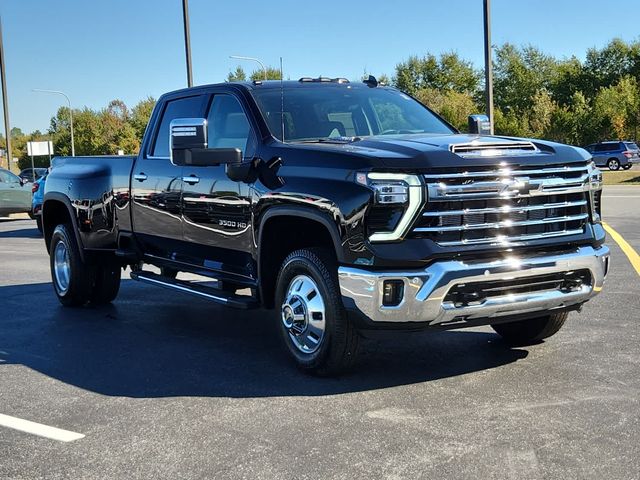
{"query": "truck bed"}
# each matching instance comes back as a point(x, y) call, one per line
point(97, 189)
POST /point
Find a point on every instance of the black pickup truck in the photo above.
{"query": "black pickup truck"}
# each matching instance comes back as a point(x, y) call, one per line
point(344, 207)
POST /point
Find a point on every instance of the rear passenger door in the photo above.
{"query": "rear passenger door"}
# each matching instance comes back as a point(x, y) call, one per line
point(156, 184)
point(600, 154)
point(217, 210)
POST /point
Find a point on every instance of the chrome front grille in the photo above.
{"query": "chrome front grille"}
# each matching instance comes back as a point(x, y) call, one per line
point(505, 205)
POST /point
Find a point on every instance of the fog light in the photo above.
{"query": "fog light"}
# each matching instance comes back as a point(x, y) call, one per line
point(392, 293)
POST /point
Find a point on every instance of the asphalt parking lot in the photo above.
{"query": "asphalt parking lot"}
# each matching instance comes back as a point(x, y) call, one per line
point(168, 386)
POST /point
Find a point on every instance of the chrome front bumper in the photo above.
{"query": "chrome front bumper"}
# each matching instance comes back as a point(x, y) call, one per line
point(425, 290)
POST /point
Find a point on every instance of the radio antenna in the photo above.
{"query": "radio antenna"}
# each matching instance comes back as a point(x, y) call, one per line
point(282, 99)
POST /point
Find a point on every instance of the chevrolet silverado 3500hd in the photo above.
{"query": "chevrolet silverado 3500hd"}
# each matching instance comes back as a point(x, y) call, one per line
point(344, 207)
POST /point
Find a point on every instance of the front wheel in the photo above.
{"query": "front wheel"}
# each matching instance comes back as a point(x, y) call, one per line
point(527, 332)
point(627, 166)
point(312, 321)
point(613, 164)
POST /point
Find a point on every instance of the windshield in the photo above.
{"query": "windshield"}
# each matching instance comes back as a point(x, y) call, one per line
point(631, 146)
point(327, 113)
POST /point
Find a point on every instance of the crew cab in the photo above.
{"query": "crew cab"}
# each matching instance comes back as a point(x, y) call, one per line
point(343, 207)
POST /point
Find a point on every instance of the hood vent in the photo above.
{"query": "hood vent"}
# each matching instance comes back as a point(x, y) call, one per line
point(486, 149)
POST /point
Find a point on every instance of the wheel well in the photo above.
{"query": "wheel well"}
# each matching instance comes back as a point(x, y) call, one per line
point(53, 213)
point(280, 236)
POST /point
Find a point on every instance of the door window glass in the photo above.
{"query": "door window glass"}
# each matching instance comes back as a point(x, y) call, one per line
point(188, 107)
point(7, 177)
point(227, 125)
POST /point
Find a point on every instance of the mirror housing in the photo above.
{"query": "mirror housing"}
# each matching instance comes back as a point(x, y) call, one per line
point(479, 125)
point(188, 145)
point(186, 134)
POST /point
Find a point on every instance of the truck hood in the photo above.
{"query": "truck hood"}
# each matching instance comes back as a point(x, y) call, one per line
point(424, 151)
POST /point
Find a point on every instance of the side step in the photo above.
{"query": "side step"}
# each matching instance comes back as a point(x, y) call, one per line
point(210, 293)
point(128, 255)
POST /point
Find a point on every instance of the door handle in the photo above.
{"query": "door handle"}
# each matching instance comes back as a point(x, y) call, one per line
point(191, 180)
point(141, 177)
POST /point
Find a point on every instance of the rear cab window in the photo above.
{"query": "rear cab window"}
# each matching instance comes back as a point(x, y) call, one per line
point(631, 146)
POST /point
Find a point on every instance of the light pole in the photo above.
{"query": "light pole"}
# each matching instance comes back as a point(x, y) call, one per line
point(240, 57)
point(488, 63)
point(73, 147)
point(5, 100)
point(187, 41)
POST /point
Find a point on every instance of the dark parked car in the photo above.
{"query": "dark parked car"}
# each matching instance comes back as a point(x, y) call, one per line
point(32, 174)
point(614, 155)
point(342, 207)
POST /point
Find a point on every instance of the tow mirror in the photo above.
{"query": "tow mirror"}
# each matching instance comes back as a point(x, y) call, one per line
point(479, 125)
point(188, 145)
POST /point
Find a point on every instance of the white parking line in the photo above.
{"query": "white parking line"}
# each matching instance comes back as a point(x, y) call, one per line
point(39, 429)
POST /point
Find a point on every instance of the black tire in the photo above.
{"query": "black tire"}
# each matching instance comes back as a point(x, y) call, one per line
point(39, 223)
point(81, 276)
point(613, 164)
point(107, 284)
point(337, 350)
point(527, 332)
point(626, 167)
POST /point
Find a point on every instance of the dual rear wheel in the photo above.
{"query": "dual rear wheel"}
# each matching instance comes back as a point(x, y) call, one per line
point(76, 282)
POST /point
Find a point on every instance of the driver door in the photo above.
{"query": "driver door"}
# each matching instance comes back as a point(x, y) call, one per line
point(216, 211)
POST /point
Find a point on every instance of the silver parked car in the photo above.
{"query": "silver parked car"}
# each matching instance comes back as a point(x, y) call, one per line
point(15, 194)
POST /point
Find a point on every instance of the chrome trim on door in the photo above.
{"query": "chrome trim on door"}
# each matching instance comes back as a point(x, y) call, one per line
point(191, 180)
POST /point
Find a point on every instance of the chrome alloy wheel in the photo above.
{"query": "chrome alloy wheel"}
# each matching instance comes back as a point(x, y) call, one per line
point(303, 314)
point(61, 267)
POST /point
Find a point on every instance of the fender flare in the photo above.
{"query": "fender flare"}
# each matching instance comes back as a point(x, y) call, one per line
point(61, 198)
point(303, 212)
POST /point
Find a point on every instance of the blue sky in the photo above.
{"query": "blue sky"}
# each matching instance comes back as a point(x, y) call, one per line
point(98, 50)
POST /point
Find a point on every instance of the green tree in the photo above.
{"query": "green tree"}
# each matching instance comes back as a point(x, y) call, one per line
point(272, 74)
point(140, 115)
point(605, 67)
point(448, 72)
point(519, 74)
point(616, 109)
point(237, 75)
point(455, 107)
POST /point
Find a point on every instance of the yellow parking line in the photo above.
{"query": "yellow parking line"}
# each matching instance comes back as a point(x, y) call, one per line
point(631, 254)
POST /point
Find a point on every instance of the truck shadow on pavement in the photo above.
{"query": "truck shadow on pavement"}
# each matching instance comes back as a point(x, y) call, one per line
point(152, 343)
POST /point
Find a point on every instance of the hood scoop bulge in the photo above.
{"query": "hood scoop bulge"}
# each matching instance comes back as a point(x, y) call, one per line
point(493, 149)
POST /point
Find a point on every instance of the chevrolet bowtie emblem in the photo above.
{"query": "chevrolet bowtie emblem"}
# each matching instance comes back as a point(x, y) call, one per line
point(520, 185)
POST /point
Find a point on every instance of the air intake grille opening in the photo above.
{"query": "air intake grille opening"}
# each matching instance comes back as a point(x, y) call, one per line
point(493, 149)
point(504, 206)
point(463, 295)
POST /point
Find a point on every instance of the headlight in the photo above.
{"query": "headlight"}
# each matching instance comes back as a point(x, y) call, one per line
point(394, 190)
point(595, 192)
point(595, 176)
